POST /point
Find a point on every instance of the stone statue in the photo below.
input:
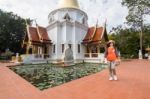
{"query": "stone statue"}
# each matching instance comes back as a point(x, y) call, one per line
point(17, 58)
point(68, 58)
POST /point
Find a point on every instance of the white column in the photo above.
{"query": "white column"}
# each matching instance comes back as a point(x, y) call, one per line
point(140, 54)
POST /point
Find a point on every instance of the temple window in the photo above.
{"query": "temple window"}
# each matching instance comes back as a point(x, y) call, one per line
point(51, 19)
point(63, 48)
point(78, 48)
point(67, 17)
point(87, 49)
point(53, 48)
point(83, 20)
point(30, 50)
point(94, 49)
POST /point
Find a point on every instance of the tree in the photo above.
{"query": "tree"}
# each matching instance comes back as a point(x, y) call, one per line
point(12, 31)
point(127, 40)
point(137, 10)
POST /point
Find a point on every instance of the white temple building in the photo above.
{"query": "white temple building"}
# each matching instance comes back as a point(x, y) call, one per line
point(68, 28)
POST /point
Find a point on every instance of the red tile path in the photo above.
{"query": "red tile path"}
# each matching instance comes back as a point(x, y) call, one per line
point(133, 83)
point(12, 86)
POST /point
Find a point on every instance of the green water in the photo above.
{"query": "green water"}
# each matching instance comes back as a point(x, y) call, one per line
point(46, 76)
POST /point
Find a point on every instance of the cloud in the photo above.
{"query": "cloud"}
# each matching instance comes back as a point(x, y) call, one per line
point(103, 10)
point(95, 9)
point(34, 9)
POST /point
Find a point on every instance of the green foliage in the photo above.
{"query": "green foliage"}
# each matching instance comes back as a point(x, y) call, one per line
point(128, 41)
point(12, 31)
point(6, 55)
point(45, 75)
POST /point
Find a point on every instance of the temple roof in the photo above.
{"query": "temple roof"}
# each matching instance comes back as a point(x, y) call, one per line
point(43, 33)
point(38, 34)
point(89, 35)
point(98, 34)
point(94, 35)
point(33, 35)
point(68, 4)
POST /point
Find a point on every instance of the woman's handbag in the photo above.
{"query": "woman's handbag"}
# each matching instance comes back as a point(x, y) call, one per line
point(118, 62)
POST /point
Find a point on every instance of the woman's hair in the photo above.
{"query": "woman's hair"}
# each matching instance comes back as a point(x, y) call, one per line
point(108, 44)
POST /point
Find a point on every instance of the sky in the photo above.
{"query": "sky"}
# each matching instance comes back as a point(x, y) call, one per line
point(101, 10)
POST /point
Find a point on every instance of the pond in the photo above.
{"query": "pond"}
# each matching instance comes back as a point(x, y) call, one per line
point(46, 76)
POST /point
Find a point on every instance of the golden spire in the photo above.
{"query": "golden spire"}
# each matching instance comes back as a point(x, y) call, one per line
point(68, 4)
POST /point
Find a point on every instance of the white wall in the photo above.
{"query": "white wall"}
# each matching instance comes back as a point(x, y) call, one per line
point(79, 36)
point(69, 33)
point(52, 33)
point(66, 32)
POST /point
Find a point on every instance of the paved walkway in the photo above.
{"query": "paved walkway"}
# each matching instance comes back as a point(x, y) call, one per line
point(133, 83)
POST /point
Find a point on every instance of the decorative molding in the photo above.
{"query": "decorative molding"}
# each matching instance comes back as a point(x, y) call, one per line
point(28, 33)
point(103, 32)
point(68, 10)
point(79, 25)
point(52, 25)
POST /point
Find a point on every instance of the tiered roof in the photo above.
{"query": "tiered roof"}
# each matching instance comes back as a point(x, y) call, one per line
point(95, 35)
point(38, 34)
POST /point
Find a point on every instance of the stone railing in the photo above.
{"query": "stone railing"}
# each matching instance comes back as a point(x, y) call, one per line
point(31, 58)
point(90, 55)
point(93, 55)
point(42, 56)
point(38, 55)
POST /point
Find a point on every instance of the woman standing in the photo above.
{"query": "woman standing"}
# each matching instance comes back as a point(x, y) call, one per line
point(112, 56)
